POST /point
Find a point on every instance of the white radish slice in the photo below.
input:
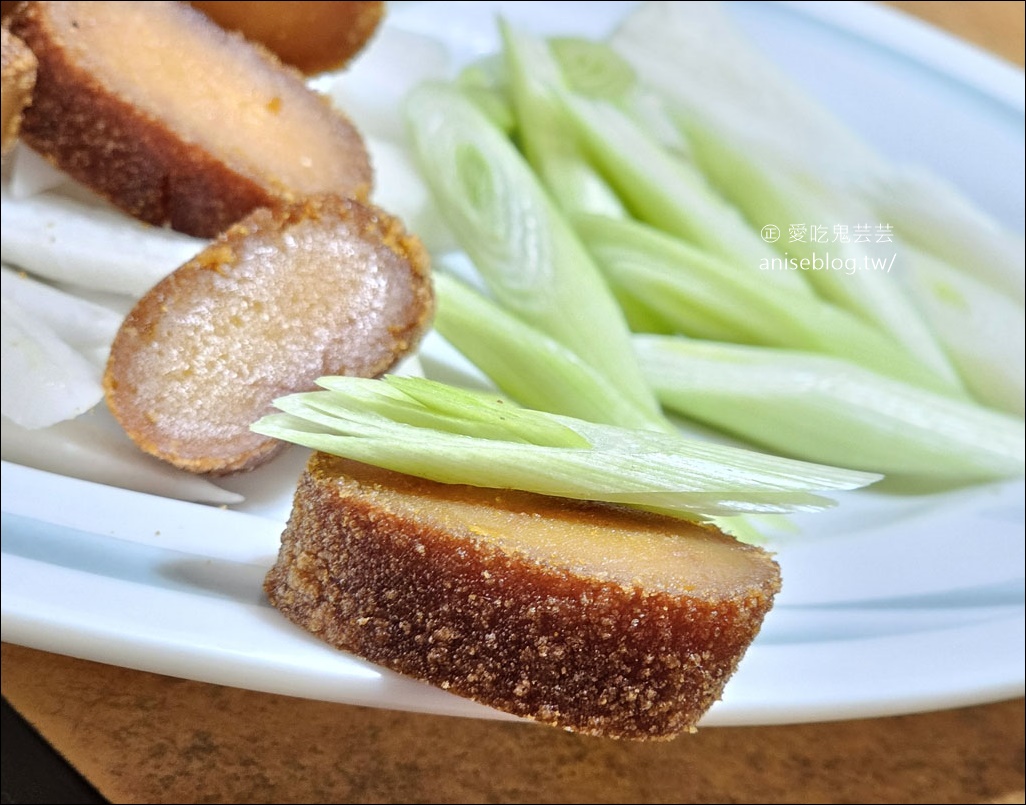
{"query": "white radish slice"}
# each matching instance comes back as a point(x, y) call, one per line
point(44, 379)
point(78, 322)
point(89, 245)
point(86, 449)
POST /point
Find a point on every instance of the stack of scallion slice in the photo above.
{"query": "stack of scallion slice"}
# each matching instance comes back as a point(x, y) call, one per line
point(610, 207)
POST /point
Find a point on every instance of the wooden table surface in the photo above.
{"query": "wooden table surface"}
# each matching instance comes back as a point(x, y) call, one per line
point(142, 737)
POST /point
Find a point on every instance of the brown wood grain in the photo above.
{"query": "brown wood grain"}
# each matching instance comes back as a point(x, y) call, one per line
point(995, 25)
point(143, 737)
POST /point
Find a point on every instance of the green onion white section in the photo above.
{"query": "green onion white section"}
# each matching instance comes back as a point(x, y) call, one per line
point(745, 114)
point(822, 409)
point(700, 295)
point(428, 429)
point(526, 253)
point(544, 129)
point(527, 365)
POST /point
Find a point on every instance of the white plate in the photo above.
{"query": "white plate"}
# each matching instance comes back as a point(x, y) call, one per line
point(891, 603)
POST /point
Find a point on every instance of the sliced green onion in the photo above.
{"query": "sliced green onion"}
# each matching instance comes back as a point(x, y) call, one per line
point(982, 329)
point(697, 57)
point(527, 254)
point(437, 406)
point(663, 190)
point(931, 214)
point(734, 89)
point(821, 409)
point(768, 145)
point(484, 83)
point(862, 278)
point(545, 134)
point(594, 69)
point(703, 297)
point(527, 365)
point(366, 420)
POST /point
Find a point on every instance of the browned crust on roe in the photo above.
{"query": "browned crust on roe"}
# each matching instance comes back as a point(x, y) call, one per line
point(140, 162)
point(328, 286)
point(19, 77)
point(540, 641)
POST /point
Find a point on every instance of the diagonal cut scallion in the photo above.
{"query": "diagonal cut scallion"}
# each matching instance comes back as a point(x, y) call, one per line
point(819, 408)
point(544, 132)
point(388, 423)
point(703, 297)
point(525, 251)
point(773, 192)
point(526, 364)
point(765, 143)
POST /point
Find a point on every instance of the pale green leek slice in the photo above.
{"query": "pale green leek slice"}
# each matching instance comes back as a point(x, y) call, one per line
point(698, 58)
point(704, 297)
point(526, 252)
point(667, 192)
point(545, 134)
point(819, 408)
point(932, 214)
point(850, 262)
point(484, 83)
point(982, 329)
point(593, 69)
point(427, 429)
point(525, 364)
point(806, 161)
point(441, 407)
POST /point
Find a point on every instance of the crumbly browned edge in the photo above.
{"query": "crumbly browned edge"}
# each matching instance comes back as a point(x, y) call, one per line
point(18, 76)
point(541, 642)
point(249, 449)
point(136, 161)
